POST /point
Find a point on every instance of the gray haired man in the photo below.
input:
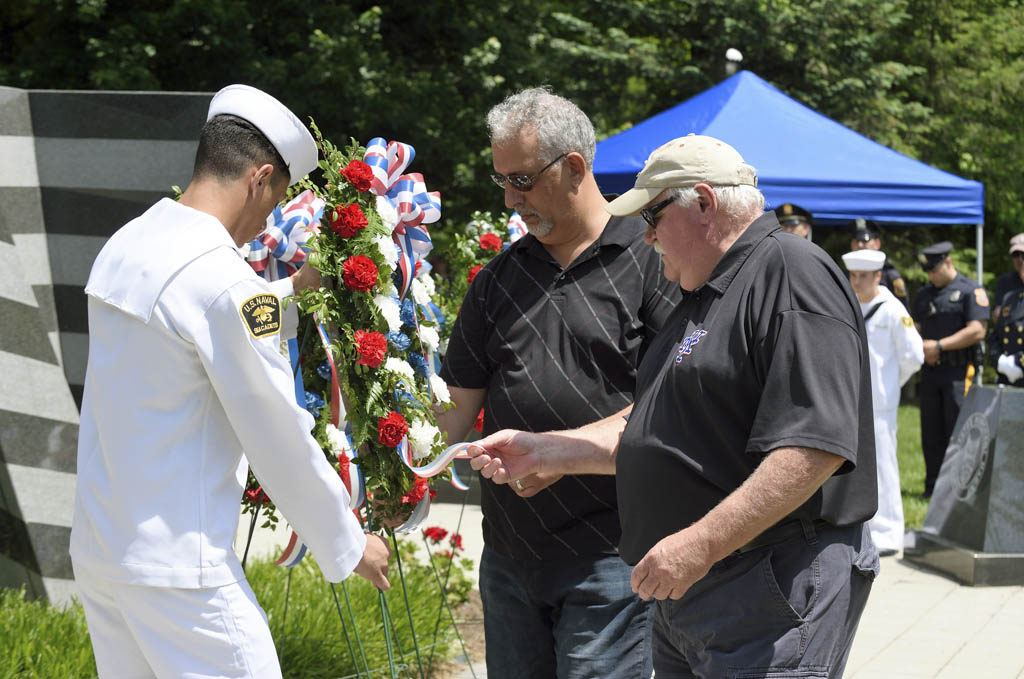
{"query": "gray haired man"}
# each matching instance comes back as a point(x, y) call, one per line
point(549, 336)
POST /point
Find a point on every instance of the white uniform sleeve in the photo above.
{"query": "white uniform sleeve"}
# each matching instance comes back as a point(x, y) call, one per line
point(254, 384)
point(907, 343)
point(283, 287)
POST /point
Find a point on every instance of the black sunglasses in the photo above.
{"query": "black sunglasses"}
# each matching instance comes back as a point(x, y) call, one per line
point(650, 214)
point(520, 182)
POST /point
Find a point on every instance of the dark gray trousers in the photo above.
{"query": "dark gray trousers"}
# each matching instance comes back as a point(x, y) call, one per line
point(787, 609)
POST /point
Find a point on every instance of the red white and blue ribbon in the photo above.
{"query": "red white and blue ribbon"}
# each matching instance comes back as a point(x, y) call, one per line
point(433, 468)
point(293, 552)
point(516, 228)
point(281, 248)
point(408, 194)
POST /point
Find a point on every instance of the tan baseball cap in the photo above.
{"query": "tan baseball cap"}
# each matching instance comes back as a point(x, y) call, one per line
point(1017, 243)
point(686, 161)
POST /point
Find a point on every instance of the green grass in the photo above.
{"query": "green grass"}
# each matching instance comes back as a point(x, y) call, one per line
point(911, 461)
point(40, 641)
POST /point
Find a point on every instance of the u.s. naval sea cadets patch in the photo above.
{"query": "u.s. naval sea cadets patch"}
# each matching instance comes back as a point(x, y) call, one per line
point(262, 315)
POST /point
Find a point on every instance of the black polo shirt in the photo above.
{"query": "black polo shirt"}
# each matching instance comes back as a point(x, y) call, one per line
point(558, 349)
point(770, 352)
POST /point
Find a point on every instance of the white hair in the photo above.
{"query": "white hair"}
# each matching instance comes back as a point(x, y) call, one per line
point(560, 125)
point(738, 204)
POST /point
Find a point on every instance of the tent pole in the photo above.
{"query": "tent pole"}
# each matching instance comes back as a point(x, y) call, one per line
point(979, 231)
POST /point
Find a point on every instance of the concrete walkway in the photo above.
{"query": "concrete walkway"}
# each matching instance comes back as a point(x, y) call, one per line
point(917, 623)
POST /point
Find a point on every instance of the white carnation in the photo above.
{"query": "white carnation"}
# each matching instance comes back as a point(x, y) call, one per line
point(388, 250)
point(390, 310)
point(429, 337)
point(336, 440)
point(397, 365)
point(419, 292)
point(388, 213)
point(440, 389)
point(428, 283)
point(421, 437)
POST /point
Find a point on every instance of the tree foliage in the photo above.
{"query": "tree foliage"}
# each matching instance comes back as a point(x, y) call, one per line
point(940, 81)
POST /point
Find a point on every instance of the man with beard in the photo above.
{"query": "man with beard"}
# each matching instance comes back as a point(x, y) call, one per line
point(549, 336)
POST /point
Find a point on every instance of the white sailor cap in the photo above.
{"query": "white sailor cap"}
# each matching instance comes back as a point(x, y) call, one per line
point(279, 125)
point(864, 260)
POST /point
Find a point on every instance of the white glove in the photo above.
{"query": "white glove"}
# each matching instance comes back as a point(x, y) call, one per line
point(1009, 367)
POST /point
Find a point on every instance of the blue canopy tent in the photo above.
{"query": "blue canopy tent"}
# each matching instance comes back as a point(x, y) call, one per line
point(801, 157)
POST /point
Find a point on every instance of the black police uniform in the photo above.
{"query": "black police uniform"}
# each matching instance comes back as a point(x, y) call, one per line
point(940, 312)
point(1008, 335)
point(893, 279)
point(1007, 282)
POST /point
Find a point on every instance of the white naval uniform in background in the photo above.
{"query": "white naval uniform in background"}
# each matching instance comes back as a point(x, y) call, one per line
point(896, 352)
point(178, 385)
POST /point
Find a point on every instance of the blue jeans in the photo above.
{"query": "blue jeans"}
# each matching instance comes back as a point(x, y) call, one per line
point(783, 610)
point(575, 619)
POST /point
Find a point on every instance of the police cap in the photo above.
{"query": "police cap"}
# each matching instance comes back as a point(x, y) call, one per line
point(864, 229)
point(787, 213)
point(933, 255)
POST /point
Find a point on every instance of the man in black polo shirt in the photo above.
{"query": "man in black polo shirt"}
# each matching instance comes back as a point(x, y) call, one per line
point(746, 472)
point(549, 336)
point(951, 312)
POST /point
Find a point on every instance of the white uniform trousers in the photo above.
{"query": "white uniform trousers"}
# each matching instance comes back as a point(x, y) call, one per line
point(142, 632)
point(887, 524)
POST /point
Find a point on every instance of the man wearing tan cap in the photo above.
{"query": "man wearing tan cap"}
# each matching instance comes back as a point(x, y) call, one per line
point(746, 471)
point(185, 386)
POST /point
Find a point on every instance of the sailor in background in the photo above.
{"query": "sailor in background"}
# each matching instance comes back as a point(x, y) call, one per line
point(951, 313)
point(896, 353)
point(867, 236)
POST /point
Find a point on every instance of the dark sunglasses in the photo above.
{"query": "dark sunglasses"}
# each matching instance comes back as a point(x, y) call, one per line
point(520, 182)
point(650, 214)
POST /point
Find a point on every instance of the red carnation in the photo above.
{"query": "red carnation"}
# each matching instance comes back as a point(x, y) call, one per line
point(372, 347)
point(473, 272)
point(418, 490)
point(435, 533)
point(344, 472)
point(479, 424)
point(391, 429)
point(347, 220)
point(456, 541)
point(358, 175)
point(255, 495)
point(359, 273)
point(490, 241)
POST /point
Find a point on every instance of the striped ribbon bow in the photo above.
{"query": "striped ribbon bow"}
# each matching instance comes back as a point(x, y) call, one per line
point(408, 194)
point(281, 249)
point(516, 228)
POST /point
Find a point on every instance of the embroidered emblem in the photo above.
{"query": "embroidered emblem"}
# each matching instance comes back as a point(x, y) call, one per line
point(899, 286)
point(980, 297)
point(907, 321)
point(262, 315)
point(686, 347)
point(955, 296)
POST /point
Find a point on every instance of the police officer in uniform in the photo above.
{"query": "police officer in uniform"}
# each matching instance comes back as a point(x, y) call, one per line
point(1011, 281)
point(795, 219)
point(1007, 347)
point(951, 313)
point(866, 236)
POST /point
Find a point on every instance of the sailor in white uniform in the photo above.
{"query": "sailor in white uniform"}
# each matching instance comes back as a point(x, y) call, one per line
point(184, 376)
point(896, 352)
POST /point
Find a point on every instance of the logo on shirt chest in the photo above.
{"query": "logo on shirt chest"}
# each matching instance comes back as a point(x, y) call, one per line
point(686, 347)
